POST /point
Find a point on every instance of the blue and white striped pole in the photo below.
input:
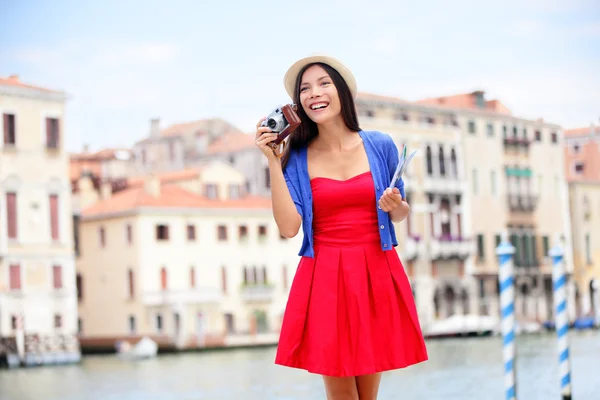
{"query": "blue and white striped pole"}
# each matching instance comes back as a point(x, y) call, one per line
point(505, 251)
point(561, 318)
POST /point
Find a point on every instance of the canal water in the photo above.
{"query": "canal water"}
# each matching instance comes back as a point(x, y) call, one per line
point(458, 369)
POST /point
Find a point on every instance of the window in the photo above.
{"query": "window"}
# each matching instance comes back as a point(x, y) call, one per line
point(442, 163)
point(191, 232)
point(163, 278)
point(490, 129)
point(554, 137)
point(504, 131)
point(234, 191)
point(402, 116)
point(52, 133)
point(243, 233)
point(222, 232)
point(588, 249)
point(13, 322)
point(132, 325)
point(57, 277)
point(429, 161)
point(576, 149)
point(498, 240)
point(472, 127)
point(545, 245)
point(262, 232)
point(171, 151)
point(579, 168)
point(192, 277)
point(538, 136)
point(54, 217)
point(480, 247)
point(15, 277)
point(57, 321)
point(515, 131)
point(129, 234)
point(159, 323)
point(79, 285)
point(79, 326)
point(102, 237)
point(211, 191)
point(11, 217)
point(267, 178)
point(453, 163)
point(493, 182)
point(162, 232)
point(9, 130)
point(130, 283)
point(224, 279)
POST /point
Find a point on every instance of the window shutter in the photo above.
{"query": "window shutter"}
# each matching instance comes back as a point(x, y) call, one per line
point(54, 216)
point(15, 277)
point(6, 133)
point(48, 132)
point(57, 276)
point(11, 210)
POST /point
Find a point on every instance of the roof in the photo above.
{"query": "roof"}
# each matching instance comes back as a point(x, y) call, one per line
point(169, 177)
point(197, 127)
point(467, 101)
point(170, 196)
point(231, 142)
point(371, 96)
point(14, 81)
point(587, 131)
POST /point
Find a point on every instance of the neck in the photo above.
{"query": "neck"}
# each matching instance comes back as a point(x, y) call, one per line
point(335, 135)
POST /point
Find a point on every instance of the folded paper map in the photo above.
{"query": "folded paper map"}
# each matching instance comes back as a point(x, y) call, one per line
point(402, 165)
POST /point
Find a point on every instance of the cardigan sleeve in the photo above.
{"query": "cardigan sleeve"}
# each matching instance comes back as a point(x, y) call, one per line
point(392, 159)
point(293, 192)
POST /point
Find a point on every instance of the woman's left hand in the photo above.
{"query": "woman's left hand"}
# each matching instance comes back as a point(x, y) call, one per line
point(390, 200)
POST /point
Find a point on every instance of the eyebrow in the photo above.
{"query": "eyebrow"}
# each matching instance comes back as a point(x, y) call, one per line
point(320, 79)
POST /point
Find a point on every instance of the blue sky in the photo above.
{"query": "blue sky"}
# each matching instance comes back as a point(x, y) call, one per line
point(124, 62)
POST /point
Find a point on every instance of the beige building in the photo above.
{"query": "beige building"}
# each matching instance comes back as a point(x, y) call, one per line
point(38, 308)
point(187, 258)
point(516, 183)
point(435, 242)
point(582, 168)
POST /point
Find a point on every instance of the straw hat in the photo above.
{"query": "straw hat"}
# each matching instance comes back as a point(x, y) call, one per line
point(289, 80)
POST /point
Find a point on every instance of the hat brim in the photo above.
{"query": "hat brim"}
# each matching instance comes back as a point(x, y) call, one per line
point(289, 80)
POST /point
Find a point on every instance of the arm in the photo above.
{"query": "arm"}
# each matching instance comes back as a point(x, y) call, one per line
point(286, 207)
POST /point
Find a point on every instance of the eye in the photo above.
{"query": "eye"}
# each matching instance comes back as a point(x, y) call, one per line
point(326, 83)
point(302, 89)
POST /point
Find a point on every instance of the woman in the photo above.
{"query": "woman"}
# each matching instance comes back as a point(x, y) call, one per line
point(350, 313)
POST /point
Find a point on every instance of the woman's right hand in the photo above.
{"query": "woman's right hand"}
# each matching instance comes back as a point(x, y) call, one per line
point(262, 138)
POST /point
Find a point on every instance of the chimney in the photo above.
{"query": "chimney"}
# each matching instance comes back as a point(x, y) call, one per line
point(86, 148)
point(155, 127)
point(105, 190)
point(14, 78)
point(152, 185)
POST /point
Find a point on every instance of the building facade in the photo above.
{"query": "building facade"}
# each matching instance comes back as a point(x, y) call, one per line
point(185, 260)
point(582, 168)
point(38, 307)
point(516, 184)
point(435, 241)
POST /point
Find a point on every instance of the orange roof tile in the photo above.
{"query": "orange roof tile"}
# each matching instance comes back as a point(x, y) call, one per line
point(582, 131)
point(168, 177)
point(231, 142)
point(468, 101)
point(13, 80)
point(170, 196)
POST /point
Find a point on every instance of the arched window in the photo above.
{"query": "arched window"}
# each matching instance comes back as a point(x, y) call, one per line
point(429, 161)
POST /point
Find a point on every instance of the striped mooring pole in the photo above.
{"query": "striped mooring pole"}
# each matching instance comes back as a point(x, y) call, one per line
point(505, 251)
point(561, 319)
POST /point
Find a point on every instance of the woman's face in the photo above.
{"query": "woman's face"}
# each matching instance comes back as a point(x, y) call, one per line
point(319, 96)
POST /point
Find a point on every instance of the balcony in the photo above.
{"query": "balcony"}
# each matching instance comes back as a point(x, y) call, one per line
point(513, 142)
point(412, 247)
point(191, 296)
point(449, 185)
point(447, 247)
point(522, 203)
point(259, 293)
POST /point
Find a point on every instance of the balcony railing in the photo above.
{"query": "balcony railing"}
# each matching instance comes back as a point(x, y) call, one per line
point(257, 293)
point(448, 184)
point(524, 203)
point(447, 247)
point(516, 142)
point(413, 247)
point(192, 296)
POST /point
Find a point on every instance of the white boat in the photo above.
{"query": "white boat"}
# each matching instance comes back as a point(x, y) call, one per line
point(144, 349)
point(463, 325)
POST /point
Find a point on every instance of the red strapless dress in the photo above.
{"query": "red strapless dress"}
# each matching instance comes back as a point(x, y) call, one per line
point(350, 310)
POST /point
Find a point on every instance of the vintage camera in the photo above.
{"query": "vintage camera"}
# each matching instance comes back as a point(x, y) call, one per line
point(283, 121)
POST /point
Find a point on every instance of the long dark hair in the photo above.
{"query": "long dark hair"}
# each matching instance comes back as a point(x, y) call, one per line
point(308, 130)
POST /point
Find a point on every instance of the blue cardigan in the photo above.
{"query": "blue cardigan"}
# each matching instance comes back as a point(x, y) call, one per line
point(382, 154)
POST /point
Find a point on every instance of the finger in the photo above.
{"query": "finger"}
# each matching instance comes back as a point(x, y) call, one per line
point(263, 140)
point(385, 203)
point(262, 130)
point(261, 121)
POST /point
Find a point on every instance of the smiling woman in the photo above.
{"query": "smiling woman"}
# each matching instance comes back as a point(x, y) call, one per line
point(350, 314)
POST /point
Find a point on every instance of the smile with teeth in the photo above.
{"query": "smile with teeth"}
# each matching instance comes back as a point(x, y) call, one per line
point(319, 106)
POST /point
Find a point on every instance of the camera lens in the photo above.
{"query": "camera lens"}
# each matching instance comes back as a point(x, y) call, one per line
point(272, 123)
